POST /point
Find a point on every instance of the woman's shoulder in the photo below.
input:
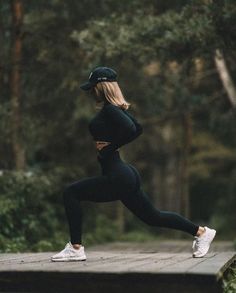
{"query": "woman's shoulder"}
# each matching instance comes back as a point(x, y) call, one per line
point(108, 104)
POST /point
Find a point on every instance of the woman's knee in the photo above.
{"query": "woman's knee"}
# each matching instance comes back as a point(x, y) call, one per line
point(151, 218)
point(155, 221)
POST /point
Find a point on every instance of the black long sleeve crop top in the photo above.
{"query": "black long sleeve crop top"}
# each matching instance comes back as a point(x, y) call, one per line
point(115, 125)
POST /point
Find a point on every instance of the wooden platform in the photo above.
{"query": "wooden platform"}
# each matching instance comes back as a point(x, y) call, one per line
point(131, 267)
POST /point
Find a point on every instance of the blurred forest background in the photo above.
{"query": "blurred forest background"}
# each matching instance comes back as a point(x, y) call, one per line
point(176, 66)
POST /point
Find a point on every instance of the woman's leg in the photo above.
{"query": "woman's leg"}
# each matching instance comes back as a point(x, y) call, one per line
point(140, 204)
point(96, 188)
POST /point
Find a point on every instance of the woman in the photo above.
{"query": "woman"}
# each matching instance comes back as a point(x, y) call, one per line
point(112, 127)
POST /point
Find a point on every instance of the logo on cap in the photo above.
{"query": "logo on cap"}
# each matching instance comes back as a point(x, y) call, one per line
point(90, 75)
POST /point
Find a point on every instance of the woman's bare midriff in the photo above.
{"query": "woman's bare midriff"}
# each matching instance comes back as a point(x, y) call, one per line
point(100, 144)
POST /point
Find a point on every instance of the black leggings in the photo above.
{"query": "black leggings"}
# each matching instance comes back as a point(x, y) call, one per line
point(119, 181)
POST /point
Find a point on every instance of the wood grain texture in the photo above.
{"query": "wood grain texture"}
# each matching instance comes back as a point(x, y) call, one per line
point(133, 267)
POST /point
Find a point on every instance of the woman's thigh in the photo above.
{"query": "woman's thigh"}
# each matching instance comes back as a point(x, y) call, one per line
point(121, 179)
point(141, 205)
point(95, 188)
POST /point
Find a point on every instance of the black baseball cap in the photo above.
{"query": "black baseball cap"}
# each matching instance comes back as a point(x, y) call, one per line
point(99, 74)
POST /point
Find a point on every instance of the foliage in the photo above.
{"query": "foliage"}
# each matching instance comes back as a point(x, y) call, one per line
point(198, 29)
point(103, 231)
point(30, 209)
point(163, 51)
point(32, 214)
point(224, 219)
point(229, 280)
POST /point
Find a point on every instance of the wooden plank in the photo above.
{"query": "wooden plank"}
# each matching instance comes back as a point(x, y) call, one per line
point(183, 265)
point(178, 263)
point(115, 262)
point(143, 269)
point(14, 256)
point(161, 246)
point(215, 265)
point(103, 282)
point(132, 262)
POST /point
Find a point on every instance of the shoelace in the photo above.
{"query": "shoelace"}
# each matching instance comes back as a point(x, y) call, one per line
point(67, 248)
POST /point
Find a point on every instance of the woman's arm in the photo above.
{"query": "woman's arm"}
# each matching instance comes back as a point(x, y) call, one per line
point(127, 127)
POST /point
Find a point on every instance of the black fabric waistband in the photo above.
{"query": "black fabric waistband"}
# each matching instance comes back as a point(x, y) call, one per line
point(113, 157)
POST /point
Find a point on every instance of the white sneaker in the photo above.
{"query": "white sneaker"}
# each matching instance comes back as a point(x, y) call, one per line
point(194, 244)
point(202, 243)
point(69, 253)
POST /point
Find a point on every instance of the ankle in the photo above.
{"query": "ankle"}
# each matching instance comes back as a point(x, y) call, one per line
point(200, 231)
point(76, 246)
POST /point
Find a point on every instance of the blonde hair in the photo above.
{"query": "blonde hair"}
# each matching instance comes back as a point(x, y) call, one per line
point(111, 91)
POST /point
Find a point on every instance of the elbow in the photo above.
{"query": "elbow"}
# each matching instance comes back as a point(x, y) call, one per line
point(135, 131)
point(132, 130)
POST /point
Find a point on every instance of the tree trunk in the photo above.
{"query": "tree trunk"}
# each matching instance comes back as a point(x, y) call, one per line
point(225, 77)
point(15, 80)
point(1, 54)
point(120, 218)
point(184, 173)
point(165, 183)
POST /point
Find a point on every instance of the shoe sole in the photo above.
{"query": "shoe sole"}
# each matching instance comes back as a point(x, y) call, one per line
point(201, 255)
point(69, 259)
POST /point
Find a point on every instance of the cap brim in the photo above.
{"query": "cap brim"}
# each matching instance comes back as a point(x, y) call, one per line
point(86, 86)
